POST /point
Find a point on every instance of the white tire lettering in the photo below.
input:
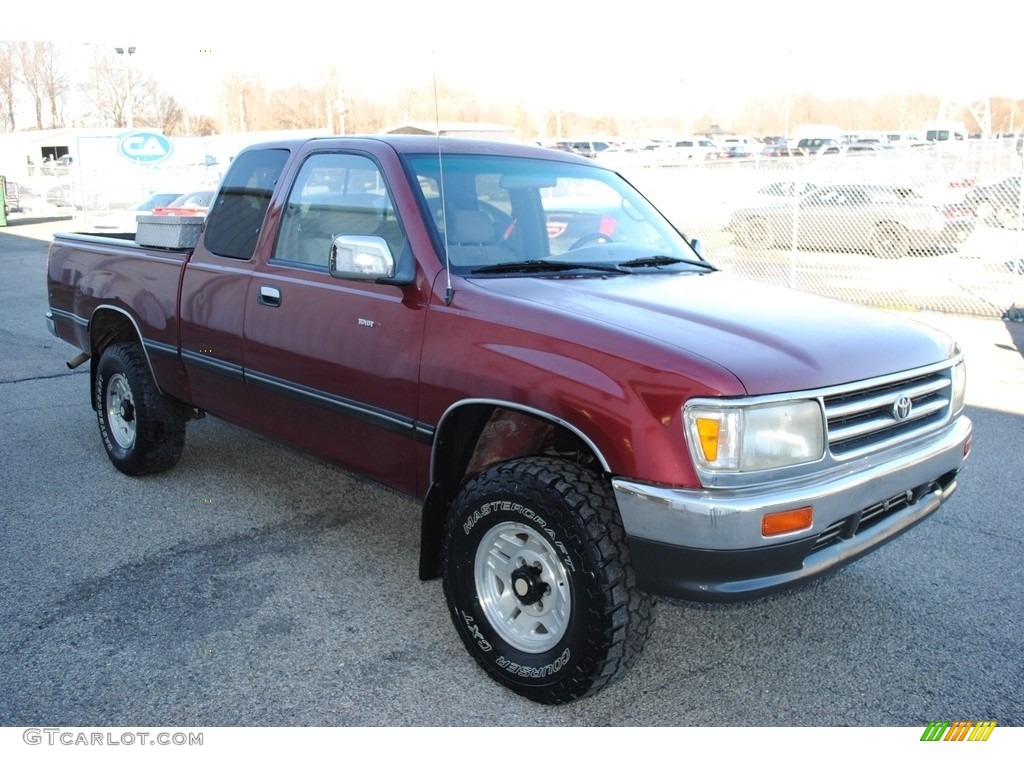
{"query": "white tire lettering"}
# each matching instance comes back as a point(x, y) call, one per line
point(522, 670)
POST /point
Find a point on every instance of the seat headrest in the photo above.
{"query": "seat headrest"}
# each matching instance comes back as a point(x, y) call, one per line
point(349, 221)
point(470, 227)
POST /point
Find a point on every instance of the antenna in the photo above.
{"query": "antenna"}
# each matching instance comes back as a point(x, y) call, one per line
point(449, 292)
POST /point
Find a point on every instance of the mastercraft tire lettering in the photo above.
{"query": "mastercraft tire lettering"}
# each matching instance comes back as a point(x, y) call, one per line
point(538, 580)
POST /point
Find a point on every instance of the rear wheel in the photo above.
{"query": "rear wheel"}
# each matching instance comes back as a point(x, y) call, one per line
point(1006, 216)
point(538, 580)
point(143, 431)
point(890, 241)
point(984, 211)
point(755, 233)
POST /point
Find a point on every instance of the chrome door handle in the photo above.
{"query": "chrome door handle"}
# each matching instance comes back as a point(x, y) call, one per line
point(269, 296)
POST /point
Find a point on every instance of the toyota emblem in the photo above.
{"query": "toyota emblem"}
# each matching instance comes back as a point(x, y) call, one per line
point(902, 407)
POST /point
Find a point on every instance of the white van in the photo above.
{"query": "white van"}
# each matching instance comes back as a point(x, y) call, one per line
point(902, 138)
point(945, 130)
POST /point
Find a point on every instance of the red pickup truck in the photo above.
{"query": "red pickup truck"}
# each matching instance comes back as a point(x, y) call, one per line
point(591, 413)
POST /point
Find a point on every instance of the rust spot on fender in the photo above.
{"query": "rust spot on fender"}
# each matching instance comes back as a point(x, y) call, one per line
point(507, 435)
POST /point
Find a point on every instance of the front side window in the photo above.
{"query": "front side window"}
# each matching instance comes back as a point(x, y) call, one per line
point(335, 193)
point(501, 210)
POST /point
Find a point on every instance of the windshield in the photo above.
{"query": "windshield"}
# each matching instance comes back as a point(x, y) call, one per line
point(536, 213)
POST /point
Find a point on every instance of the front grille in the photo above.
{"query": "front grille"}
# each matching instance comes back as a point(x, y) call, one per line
point(868, 419)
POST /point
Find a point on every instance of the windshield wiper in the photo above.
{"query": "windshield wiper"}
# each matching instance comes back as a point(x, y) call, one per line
point(541, 265)
point(664, 261)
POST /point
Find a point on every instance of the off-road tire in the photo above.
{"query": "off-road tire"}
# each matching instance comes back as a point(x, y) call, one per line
point(143, 431)
point(539, 582)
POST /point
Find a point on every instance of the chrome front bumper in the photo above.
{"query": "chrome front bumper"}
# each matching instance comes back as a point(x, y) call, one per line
point(707, 543)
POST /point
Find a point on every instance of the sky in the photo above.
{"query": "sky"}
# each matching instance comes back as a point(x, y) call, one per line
point(595, 56)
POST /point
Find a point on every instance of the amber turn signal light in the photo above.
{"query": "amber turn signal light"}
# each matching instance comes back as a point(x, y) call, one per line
point(787, 521)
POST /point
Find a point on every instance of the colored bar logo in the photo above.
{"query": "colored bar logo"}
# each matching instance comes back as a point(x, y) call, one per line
point(958, 730)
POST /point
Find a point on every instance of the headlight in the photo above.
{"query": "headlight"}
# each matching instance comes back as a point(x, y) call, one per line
point(747, 438)
point(959, 386)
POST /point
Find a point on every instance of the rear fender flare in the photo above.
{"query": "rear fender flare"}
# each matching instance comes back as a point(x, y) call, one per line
point(108, 325)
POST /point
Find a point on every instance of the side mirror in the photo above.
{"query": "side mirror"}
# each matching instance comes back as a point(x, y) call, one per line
point(361, 257)
point(698, 247)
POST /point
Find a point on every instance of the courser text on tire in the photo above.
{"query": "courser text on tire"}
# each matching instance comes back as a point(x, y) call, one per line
point(539, 582)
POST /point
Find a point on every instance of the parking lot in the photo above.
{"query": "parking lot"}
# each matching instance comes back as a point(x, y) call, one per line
point(978, 272)
point(252, 585)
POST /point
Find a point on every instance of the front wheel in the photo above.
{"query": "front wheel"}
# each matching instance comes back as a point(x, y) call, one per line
point(142, 430)
point(1006, 216)
point(756, 233)
point(539, 582)
point(890, 241)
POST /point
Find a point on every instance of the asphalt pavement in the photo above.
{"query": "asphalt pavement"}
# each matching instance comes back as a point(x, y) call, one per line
point(252, 585)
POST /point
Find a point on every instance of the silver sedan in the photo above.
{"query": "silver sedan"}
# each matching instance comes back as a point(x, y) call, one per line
point(888, 221)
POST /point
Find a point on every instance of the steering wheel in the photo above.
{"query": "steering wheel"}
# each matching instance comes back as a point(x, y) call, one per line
point(594, 238)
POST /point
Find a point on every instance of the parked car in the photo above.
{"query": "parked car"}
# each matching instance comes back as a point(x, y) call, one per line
point(999, 204)
point(866, 148)
point(741, 146)
point(736, 152)
point(622, 155)
point(198, 201)
point(887, 221)
point(817, 146)
point(126, 220)
point(587, 148)
point(777, 149)
point(59, 196)
point(582, 433)
point(786, 189)
point(694, 149)
point(903, 138)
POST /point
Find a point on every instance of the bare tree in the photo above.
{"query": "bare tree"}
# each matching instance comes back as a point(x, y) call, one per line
point(1007, 115)
point(365, 115)
point(28, 59)
point(242, 103)
point(106, 91)
point(247, 105)
point(31, 73)
point(44, 79)
point(293, 108)
point(110, 86)
point(55, 83)
point(201, 125)
point(165, 113)
point(8, 81)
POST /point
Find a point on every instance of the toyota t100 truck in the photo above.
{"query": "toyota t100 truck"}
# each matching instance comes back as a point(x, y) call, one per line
point(591, 413)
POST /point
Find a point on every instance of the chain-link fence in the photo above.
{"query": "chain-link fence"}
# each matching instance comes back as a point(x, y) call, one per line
point(933, 228)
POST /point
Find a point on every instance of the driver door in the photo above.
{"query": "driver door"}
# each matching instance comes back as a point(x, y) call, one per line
point(332, 365)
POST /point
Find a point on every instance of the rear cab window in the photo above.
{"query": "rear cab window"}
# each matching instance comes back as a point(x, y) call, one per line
point(234, 221)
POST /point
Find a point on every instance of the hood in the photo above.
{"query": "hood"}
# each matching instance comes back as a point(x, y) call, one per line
point(772, 339)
